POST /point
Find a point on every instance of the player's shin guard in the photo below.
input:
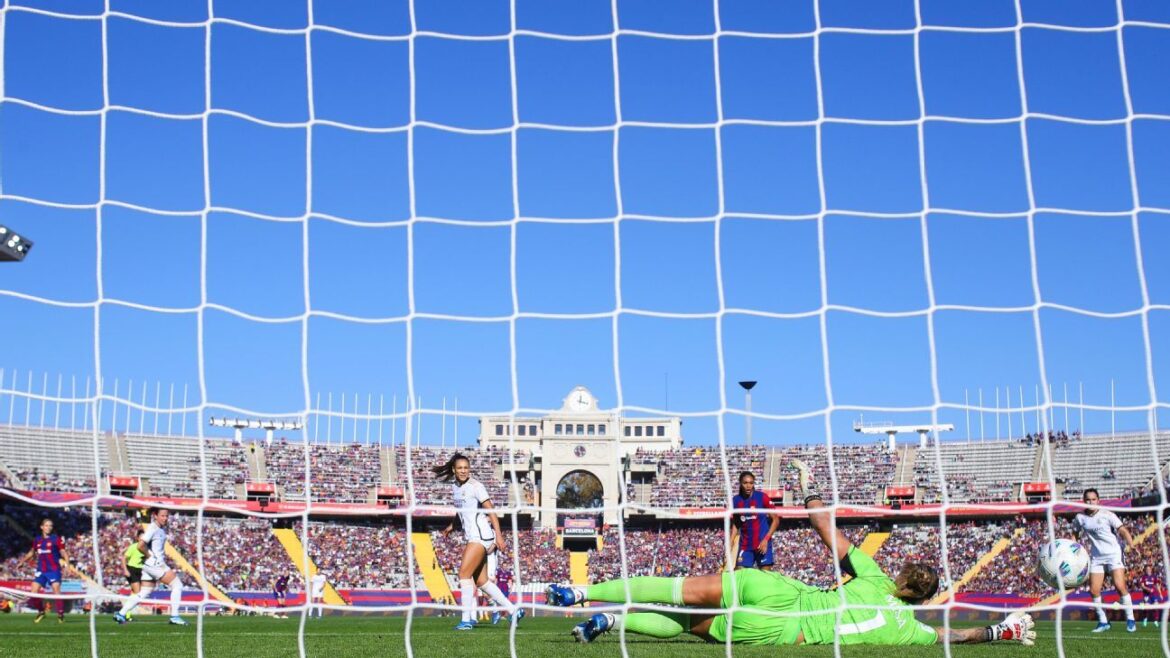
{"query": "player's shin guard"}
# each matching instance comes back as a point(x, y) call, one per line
point(176, 586)
point(1101, 617)
point(663, 625)
point(643, 589)
point(467, 598)
point(493, 590)
point(59, 606)
point(1127, 603)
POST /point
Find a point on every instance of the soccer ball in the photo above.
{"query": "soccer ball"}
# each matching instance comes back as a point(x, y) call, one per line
point(1063, 562)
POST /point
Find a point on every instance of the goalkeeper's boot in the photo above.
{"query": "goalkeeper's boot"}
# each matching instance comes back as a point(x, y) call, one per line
point(178, 621)
point(563, 596)
point(1016, 627)
point(1130, 626)
point(1102, 627)
point(120, 618)
point(465, 626)
point(588, 631)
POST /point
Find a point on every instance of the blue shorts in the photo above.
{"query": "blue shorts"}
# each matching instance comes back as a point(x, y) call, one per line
point(280, 594)
point(46, 578)
point(751, 559)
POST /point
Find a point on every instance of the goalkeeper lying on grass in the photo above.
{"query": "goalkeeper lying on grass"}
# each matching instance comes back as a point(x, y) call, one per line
point(774, 609)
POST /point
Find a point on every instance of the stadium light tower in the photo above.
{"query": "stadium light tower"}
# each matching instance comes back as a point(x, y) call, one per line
point(268, 426)
point(747, 405)
point(891, 430)
point(13, 246)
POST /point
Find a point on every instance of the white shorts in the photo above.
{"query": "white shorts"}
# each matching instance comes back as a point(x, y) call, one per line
point(154, 572)
point(317, 596)
point(493, 561)
point(489, 545)
point(1105, 563)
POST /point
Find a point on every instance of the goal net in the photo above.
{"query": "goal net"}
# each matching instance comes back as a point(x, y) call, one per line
point(365, 231)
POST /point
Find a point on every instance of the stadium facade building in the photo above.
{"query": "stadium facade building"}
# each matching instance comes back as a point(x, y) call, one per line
point(579, 440)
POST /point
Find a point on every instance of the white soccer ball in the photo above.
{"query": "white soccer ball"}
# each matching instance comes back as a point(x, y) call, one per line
point(1063, 561)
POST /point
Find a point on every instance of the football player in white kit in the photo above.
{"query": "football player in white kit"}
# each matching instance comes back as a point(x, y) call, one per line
point(317, 588)
point(1101, 530)
point(481, 529)
point(153, 544)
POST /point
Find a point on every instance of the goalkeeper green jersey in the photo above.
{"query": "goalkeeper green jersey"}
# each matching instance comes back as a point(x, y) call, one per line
point(893, 624)
point(134, 557)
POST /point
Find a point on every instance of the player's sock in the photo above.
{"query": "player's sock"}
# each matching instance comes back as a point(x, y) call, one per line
point(1127, 603)
point(130, 604)
point(663, 625)
point(1101, 618)
point(59, 604)
point(493, 590)
point(467, 598)
point(176, 586)
point(643, 589)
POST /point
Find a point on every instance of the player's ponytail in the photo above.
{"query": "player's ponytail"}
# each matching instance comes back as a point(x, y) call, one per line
point(446, 471)
point(916, 583)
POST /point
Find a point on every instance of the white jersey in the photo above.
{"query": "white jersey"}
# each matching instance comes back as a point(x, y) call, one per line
point(1100, 532)
point(155, 539)
point(468, 498)
point(318, 584)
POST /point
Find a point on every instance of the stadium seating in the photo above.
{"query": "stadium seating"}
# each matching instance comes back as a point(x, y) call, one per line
point(339, 474)
point(45, 459)
point(172, 466)
point(1112, 465)
point(974, 472)
point(693, 477)
point(863, 471)
point(360, 555)
point(485, 467)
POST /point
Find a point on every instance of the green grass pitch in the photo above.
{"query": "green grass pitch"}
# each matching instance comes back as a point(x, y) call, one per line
point(430, 637)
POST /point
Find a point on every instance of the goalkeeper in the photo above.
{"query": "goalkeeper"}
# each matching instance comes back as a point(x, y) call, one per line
point(774, 609)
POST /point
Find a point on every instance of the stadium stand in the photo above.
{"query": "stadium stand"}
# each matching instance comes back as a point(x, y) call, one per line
point(360, 555)
point(486, 466)
point(921, 542)
point(1112, 465)
point(863, 471)
point(974, 472)
point(339, 474)
point(659, 551)
point(693, 477)
point(45, 459)
point(172, 466)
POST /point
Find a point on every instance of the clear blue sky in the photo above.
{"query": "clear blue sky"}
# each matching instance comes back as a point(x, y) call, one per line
point(755, 243)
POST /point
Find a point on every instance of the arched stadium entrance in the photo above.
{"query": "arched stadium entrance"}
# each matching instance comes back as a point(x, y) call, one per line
point(580, 489)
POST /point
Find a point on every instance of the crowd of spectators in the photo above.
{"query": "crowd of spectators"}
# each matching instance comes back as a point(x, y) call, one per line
point(39, 479)
point(966, 541)
point(863, 471)
point(659, 551)
point(540, 559)
point(485, 467)
point(1014, 570)
point(694, 477)
point(337, 474)
point(243, 554)
point(360, 555)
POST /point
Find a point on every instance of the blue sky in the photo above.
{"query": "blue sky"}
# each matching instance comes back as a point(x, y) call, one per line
point(636, 221)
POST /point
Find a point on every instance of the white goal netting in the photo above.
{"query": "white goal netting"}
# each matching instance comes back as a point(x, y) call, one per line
point(810, 191)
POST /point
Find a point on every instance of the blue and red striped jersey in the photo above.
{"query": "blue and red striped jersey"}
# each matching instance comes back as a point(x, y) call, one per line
point(48, 550)
point(752, 527)
point(504, 580)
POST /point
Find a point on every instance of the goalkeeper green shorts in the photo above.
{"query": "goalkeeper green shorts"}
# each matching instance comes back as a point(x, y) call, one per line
point(760, 592)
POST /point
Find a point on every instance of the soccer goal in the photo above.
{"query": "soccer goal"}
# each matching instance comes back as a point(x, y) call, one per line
point(292, 259)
